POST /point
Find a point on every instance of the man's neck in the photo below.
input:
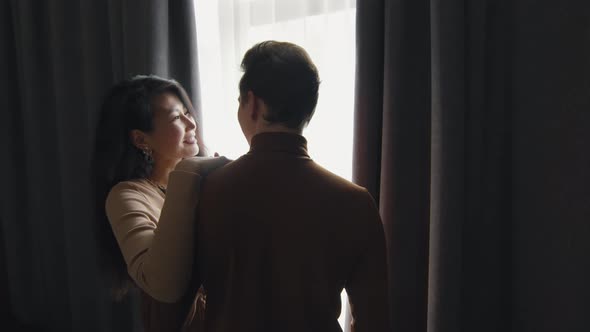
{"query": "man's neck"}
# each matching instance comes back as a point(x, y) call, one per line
point(274, 128)
point(265, 127)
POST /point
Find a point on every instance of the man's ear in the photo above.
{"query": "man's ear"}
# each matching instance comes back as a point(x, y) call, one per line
point(255, 106)
point(138, 139)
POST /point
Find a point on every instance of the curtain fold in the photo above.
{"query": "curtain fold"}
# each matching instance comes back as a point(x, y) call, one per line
point(472, 128)
point(392, 142)
point(60, 57)
point(470, 255)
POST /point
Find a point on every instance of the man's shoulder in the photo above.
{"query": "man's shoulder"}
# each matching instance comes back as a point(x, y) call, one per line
point(247, 169)
point(225, 176)
point(230, 169)
point(343, 184)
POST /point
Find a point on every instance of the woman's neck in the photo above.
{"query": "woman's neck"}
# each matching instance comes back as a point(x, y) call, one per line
point(161, 172)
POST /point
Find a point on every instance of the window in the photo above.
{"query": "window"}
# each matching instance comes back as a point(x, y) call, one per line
point(226, 29)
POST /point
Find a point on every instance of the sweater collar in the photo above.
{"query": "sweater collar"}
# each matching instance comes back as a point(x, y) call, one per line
point(279, 142)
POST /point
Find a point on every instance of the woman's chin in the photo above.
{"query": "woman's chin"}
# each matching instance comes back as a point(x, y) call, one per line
point(193, 151)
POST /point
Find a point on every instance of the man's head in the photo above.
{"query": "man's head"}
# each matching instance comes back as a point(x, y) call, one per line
point(279, 88)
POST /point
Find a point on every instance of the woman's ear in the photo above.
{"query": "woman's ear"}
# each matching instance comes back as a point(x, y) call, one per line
point(138, 139)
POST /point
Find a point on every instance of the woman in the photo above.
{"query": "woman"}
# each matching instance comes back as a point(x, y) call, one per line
point(146, 197)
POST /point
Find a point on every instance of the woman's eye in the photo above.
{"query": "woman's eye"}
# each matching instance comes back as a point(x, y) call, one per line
point(187, 113)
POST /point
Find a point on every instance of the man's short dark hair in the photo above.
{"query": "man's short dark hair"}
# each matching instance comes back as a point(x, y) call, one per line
point(284, 77)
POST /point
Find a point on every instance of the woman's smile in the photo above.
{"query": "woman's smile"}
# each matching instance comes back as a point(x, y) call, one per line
point(190, 140)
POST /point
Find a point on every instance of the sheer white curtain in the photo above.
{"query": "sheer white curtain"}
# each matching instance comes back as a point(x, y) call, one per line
point(226, 29)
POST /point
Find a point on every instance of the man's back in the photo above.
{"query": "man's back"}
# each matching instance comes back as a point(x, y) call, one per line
point(280, 237)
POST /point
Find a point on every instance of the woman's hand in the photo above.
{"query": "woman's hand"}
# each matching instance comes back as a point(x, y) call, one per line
point(201, 165)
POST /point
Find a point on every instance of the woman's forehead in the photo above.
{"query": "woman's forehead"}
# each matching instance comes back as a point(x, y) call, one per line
point(167, 102)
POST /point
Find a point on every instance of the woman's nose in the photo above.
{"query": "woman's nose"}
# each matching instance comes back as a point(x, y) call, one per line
point(190, 122)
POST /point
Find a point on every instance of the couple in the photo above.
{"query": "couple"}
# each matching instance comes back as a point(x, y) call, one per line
point(263, 243)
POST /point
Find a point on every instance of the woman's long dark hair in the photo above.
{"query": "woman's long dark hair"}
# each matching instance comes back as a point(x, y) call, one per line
point(127, 106)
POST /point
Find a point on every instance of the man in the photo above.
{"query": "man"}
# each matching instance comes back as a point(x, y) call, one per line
point(279, 237)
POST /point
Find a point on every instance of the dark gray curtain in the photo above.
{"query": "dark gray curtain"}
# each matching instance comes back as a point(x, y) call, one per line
point(58, 59)
point(473, 133)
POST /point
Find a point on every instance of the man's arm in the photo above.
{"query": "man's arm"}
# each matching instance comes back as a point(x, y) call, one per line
point(367, 286)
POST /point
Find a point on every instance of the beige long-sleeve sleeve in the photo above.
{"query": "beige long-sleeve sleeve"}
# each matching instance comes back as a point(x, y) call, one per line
point(158, 246)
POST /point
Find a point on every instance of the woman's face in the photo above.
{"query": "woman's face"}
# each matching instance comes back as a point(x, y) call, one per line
point(174, 133)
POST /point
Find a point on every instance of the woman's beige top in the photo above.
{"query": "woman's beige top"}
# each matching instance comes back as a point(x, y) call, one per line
point(156, 235)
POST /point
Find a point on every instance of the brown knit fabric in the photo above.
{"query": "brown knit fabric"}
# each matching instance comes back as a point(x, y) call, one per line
point(279, 238)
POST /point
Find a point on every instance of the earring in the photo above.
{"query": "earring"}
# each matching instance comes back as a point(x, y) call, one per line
point(147, 155)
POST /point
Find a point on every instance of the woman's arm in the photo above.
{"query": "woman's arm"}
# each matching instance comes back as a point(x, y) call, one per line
point(160, 256)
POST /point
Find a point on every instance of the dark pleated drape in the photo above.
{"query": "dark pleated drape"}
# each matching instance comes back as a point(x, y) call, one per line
point(58, 60)
point(392, 140)
point(472, 129)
